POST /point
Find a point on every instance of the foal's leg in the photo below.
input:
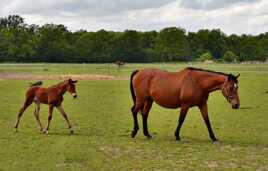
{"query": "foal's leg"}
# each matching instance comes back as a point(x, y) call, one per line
point(36, 114)
point(50, 111)
point(204, 111)
point(183, 113)
point(135, 109)
point(26, 104)
point(61, 110)
point(146, 109)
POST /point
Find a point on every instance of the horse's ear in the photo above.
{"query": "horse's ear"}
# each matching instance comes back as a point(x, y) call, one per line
point(70, 80)
point(237, 76)
point(74, 81)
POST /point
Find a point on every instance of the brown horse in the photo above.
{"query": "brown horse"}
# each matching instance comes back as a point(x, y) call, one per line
point(52, 96)
point(120, 63)
point(185, 89)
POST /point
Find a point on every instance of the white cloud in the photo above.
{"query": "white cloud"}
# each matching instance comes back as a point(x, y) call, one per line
point(231, 16)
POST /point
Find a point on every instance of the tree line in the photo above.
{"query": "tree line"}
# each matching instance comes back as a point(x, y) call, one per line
point(21, 42)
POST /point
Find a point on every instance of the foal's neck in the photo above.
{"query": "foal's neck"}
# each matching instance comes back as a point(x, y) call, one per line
point(62, 89)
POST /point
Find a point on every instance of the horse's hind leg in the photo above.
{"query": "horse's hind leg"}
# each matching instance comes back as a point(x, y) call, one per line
point(36, 114)
point(26, 104)
point(135, 109)
point(146, 109)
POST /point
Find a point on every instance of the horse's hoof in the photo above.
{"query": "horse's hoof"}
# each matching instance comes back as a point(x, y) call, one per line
point(71, 131)
point(178, 139)
point(15, 129)
point(149, 137)
point(133, 134)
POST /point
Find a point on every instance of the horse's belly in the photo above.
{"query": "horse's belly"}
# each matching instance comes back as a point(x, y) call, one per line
point(166, 101)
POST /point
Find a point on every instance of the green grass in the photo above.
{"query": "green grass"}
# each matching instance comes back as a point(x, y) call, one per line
point(112, 69)
point(103, 122)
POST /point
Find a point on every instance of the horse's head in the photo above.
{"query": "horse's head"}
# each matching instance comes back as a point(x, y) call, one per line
point(71, 87)
point(230, 90)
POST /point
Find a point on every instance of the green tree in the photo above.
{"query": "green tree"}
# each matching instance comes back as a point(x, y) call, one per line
point(205, 56)
point(229, 56)
point(95, 47)
point(172, 45)
point(128, 47)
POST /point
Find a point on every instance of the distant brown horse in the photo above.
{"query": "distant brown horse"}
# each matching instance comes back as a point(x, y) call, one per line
point(120, 63)
point(52, 96)
point(185, 89)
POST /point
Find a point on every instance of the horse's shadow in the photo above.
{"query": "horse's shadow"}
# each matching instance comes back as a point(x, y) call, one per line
point(195, 141)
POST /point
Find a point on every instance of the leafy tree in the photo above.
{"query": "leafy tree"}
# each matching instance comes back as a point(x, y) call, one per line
point(229, 56)
point(128, 47)
point(172, 45)
point(205, 56)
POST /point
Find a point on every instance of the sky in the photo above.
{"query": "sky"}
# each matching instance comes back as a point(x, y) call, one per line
point(231, 16)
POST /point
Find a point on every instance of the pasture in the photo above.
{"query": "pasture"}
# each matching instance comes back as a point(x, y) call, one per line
point(103, 122)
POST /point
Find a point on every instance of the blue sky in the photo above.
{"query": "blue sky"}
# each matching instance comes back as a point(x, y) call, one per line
point(231, 16)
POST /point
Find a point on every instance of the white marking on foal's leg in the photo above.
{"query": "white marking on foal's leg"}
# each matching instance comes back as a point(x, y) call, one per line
point(71, 130)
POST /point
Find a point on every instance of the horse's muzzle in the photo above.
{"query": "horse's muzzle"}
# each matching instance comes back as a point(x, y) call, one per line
point(74, 95)
point(236, 106)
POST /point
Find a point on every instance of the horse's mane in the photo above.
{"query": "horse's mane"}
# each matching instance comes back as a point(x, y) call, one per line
point(206, 70)
point(231, 76)
point(59, 84)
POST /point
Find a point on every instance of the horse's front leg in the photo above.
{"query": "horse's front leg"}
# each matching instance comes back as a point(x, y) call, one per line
point(204, 111)
point(50, 111)
point(183, 113)
point(61, 110)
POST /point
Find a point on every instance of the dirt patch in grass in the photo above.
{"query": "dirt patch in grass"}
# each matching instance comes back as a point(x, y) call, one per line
point(24, 76)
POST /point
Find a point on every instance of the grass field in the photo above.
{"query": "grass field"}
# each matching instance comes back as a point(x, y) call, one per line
point(103, 122)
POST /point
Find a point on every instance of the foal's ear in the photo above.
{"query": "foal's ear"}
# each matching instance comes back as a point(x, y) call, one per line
point(72, 81)
point(237, 76)
point(230, 77)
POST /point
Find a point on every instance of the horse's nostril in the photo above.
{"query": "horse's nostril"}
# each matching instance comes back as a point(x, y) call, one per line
point(235, 106)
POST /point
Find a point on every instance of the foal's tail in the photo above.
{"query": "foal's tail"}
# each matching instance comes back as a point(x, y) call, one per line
point(38, 83)
point(131, 86)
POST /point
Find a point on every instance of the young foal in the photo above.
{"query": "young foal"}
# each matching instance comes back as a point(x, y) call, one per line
point(52, 96)
point(185, 89)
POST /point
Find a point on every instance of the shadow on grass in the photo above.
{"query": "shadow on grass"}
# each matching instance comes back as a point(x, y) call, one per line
point(195, 141)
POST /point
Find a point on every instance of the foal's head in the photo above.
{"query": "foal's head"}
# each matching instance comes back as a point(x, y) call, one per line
point(230, 90)
point(71, 87)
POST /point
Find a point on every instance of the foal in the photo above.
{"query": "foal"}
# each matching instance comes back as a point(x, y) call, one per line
point(52, 96)
point(185, 89)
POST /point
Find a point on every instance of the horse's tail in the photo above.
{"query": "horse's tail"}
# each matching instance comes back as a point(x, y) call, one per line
point(131, 86)
point(38, 83)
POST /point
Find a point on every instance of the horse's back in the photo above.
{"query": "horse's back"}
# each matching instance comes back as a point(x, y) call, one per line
point(162, 86)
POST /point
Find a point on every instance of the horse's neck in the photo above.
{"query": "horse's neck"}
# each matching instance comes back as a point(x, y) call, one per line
point(212, 82)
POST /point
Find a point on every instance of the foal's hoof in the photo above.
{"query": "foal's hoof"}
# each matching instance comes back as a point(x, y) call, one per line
point(45, 132)
point(15, 129)
point(215, 142)
point(71, 131)
point(178, 139)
